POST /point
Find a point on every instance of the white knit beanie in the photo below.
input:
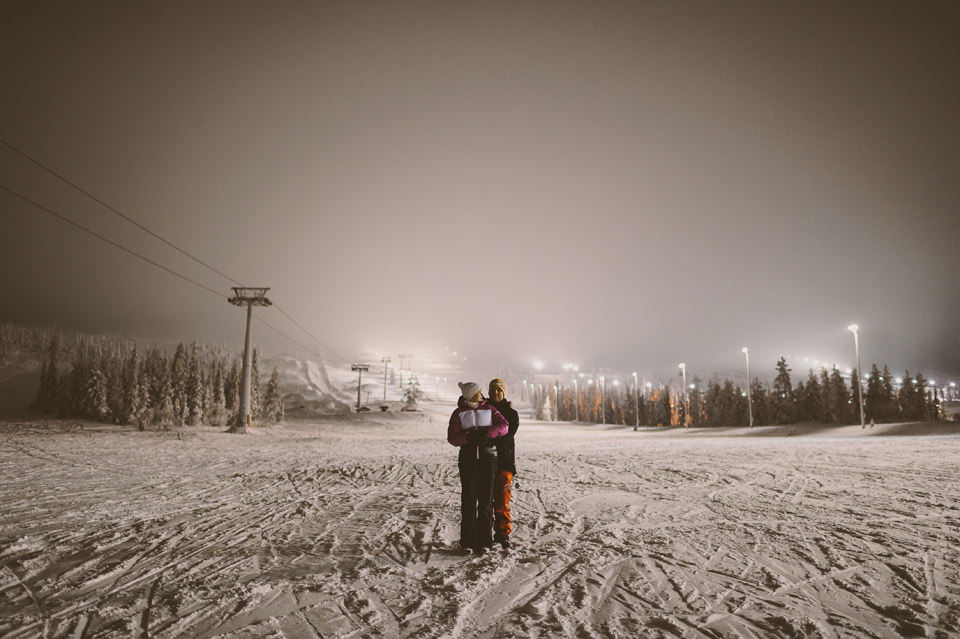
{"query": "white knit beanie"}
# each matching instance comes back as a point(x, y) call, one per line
point(468, 389)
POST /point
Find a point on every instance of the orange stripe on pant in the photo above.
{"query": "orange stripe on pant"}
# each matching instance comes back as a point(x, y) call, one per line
point(501, 503)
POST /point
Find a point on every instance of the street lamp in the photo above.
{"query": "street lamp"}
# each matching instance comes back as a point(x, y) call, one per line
point(853, 328)
point(603, 400)
point(746, 354)
point(403, 356)
point(683, 371)
point(576, 402)
point(636, 402)
point(556, 394)
point(386, 367)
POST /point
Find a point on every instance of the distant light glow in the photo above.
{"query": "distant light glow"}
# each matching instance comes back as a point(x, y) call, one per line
point(692, 386)
point(744, 350)
point(853, 328)
point(536, 364)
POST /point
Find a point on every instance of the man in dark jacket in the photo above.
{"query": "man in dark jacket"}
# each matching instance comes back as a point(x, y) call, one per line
point(506, 464)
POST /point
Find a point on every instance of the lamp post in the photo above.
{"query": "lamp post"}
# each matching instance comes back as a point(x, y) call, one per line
point(746, 353)
point(403, 356)
point(683, 372)
point(853, 328)
point(386, 367)
point(603, 400)
point(636, 401)
point(576, 399)
point(556, 394)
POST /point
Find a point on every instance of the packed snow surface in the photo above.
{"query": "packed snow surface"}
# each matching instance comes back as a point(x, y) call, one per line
point(345, 528)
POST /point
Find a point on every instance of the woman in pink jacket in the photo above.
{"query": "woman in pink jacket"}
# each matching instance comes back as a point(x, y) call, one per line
point(473, 427)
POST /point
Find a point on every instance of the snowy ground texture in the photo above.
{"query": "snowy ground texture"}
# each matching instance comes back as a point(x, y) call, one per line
point(345, 528)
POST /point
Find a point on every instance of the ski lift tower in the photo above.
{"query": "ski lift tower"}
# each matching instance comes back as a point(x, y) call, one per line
point(359, 370)
point(249, 297)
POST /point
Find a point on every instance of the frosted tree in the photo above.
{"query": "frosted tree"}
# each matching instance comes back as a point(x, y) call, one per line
point(231, 391)
point(194, 389)
point(256, 392)
point(273, 399)
point(812, 399)
point(782, 398)
point(217, 409)
point(132, 402)
point(413, 394)
point(94, 400)
point(179, 369)
point(695, 402)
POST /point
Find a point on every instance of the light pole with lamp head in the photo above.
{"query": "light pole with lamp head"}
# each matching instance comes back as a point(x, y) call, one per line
point(853, 328)
point(636, 402)
point(746, 353)
point(683, 371)
point(603, 399)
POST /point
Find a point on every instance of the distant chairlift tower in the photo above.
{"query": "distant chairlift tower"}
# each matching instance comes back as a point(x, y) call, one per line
point(249, 297)
point(359, 369)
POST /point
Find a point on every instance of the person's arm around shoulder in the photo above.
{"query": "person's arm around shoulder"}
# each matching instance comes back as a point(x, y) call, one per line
point(500, 425)
point(455, 434)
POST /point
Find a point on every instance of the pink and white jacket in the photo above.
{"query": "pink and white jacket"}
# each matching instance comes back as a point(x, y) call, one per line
point(465, 418)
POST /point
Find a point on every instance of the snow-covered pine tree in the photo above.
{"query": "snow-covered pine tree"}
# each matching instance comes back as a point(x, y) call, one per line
point(695, 400)
point(813, 399)
point(141, 417)
point(663, 410)
point(888, 410)
point(413, 394)
point(194, 389)
point(728, 404)
point(760, 401)
point(920, 409)
point(131, 388)
point(218, 415)
point(231, 391)
point(112, 366)
point(179, 370)
point(905, 397)
point(256, 391)
point(783, 408)
point(711, 403)
point(273, 399)
point(95, 404)
point(873, 397)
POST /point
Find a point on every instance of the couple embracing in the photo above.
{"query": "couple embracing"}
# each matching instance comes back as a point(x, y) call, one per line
point(483, 429)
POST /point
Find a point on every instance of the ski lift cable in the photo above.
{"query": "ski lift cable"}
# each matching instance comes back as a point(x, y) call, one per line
point(146, 259)
point(111, 242)
point(153, 234)
point(302, 328)
point(116, 211)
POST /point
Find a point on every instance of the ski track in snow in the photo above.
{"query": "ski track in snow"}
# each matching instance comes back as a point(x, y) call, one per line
point(345, 529)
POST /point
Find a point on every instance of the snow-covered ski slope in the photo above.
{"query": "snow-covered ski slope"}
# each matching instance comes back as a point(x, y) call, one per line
point(344, 528)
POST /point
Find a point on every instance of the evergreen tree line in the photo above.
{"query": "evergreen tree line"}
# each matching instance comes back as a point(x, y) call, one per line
point(114, 383)
point(824, 397)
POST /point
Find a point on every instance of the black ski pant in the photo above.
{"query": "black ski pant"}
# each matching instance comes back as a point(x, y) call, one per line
point(478, 466)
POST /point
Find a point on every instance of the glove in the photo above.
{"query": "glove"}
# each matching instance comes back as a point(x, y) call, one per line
point(478, 437)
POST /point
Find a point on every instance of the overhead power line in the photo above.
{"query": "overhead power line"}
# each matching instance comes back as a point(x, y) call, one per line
point(147, 260)
point(153, 234)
